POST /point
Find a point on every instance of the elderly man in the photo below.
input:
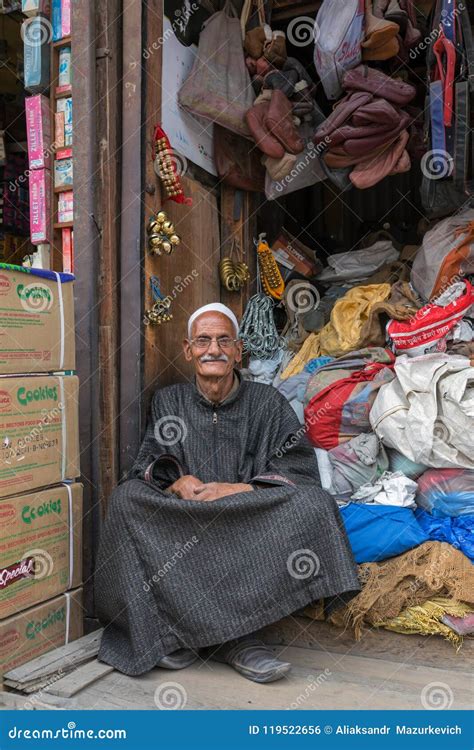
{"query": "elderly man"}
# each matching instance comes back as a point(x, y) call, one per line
point(221, 527)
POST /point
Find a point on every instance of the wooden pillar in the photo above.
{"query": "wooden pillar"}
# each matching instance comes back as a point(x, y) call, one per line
point(108, 57)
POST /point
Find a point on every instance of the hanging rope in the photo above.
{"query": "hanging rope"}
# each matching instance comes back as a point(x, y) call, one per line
point(257, 329)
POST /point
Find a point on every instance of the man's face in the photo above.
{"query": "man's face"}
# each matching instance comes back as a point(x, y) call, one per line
point(212, 361)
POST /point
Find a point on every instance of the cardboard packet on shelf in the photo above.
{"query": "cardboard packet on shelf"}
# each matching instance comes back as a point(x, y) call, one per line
point(32, 571)
point(38, 131)
point(63, 173)
point(66, 207)
point(40, 206)
point(35, 7)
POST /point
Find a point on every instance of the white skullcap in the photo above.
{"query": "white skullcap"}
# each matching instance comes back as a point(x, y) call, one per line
point(213, 307)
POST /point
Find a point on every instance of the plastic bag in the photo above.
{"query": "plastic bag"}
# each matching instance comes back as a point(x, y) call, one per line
point(219, 87)
point(446, 492)
point(377, 532)
point(338, 33)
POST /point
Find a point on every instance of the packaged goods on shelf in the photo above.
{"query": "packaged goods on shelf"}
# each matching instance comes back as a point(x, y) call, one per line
point(66, 207)
point(63, 172)
point(65, 106)
point(36, 321)
point(38, 630)
point(68, 250)
point(38, 128)
point(36, 54)
point(39, 431)
point(40, 546)
point(64, 72)
point(40, 206)
point(35, 7)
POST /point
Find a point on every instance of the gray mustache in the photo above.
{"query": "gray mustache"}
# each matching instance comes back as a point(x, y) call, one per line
point(210, 358)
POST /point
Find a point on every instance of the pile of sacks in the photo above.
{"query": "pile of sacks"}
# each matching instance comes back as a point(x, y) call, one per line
point(385, 388)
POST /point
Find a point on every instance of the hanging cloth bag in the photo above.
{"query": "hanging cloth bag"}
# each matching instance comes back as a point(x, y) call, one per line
point(219, 87)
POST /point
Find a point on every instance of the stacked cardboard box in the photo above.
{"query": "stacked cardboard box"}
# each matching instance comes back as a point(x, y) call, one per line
point(40, 503)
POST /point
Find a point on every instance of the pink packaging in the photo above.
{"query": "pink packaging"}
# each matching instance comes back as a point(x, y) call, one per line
point(38, 130)
point(65, 18)
point(40, 206)
point(65, 206)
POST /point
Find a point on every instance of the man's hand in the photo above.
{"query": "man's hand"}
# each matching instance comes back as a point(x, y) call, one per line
point(216, 490)
point(184, 487)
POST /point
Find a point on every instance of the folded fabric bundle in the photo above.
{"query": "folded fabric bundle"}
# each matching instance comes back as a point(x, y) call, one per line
point(351, 325)
point(458, 531)
point(359, 318)
point(430, 618)
point(392, 488)
point(431, 569)
point(428, 330)
point(308, 351)
point(339, 396)
point(356, 265)
point(426, 411)
point(272, 127)
point(446, 492)
point(368, 128)
point(354, 463)
point(377, 532)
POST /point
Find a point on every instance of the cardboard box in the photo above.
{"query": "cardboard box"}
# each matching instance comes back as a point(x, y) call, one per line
point(40, 629)
point(39, 431)
point(40, 546)
point(63, 173)
point(38, 131)
point(40, 206)
point(295, 255)
point(36, 321)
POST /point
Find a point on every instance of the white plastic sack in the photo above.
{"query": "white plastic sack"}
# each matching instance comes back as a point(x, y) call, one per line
point(427, 411)
point(338, 33)
point(357, 265)
point(438, 243)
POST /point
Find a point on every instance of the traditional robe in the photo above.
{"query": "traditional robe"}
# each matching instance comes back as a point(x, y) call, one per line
point(173, 573)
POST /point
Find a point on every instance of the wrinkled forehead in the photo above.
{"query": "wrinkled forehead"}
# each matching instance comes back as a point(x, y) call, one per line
point(213, 324)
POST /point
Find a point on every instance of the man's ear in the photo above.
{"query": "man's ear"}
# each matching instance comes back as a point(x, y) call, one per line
point(238, 354)
point(187, 350)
